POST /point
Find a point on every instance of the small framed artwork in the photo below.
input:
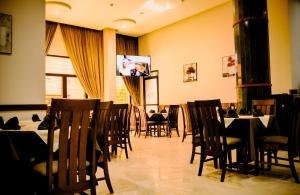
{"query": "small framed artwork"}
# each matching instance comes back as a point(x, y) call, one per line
point(229, 66)
point(190, 72)
point(5, 33)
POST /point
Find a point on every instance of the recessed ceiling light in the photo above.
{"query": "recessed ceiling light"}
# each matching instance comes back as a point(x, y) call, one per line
point(124, 23)
point(162, 5)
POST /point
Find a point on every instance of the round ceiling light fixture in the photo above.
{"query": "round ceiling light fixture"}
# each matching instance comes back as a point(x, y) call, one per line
point(57, 8)
point(124, 23)
point(162, 5)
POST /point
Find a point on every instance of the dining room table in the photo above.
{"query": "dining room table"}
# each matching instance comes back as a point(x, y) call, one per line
point(249, 128)
point(157, 119)
point(19, 150)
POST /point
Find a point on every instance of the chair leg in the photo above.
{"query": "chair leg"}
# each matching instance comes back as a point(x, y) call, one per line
point(202, 159)
point(183, 135)
point(129, 142)
point(125, 147)
point(293, 169)
point(229, 158)
point(275, 156)
point(107, 178)
point(177, 131)
point(269, 159)
point(245, 159)
point(93, 190)
point(223, 165)
point(216, 163)
point(256, 161)
point(193, 154)
point(262, 157)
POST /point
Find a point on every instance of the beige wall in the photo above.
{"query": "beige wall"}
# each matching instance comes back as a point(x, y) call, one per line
point(204, 39)
point(280, 48)
point(22, 74)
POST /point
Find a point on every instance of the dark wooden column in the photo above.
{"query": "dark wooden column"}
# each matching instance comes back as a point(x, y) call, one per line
point(251, 36)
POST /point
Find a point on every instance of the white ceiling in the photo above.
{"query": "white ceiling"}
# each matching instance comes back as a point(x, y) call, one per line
point(99, 14)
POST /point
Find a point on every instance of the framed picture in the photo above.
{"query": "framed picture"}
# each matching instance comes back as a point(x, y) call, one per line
point(190, 72)
point(5, 33)
point(229, 66)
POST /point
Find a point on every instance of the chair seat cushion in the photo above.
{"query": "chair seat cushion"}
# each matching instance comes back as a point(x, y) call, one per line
point(231, 140)
point(41, 167)
point(275, 139)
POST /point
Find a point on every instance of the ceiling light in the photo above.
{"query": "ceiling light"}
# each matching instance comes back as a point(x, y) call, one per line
point(124, 23)
point(57, 8)
point(162, 5)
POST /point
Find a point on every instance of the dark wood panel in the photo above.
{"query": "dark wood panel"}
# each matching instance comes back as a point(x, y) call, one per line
point(15, 107)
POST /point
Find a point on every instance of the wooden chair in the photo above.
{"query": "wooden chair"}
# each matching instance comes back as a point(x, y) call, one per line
point(172, 122)
point(197, 138)
point(290, 143)
point(266, 106)
point(102, 126)
point(144, 125)
point(187, 125)
point(118, 134)
point(216, 144)
point(127, 130)
point(67, 173)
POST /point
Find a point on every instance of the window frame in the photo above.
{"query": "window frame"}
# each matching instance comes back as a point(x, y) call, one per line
point(63, 76)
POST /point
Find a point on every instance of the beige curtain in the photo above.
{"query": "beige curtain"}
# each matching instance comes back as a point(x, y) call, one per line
point(50, 31)
point(126, 45)
point(133, 86)
point(84, 47)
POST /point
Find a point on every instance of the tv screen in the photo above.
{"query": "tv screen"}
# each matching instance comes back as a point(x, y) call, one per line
point(128, 65)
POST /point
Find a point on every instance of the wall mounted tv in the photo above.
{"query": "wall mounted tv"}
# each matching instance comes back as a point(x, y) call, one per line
point(129, 65)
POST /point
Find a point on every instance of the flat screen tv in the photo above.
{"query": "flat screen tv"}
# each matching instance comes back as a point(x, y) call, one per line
point(129, 65)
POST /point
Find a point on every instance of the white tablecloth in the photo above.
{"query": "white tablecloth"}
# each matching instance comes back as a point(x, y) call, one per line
point(165, 115)
point(264, 119)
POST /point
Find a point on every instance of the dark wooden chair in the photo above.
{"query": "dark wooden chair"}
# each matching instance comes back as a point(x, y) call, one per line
point(216, 144)
point(196, 129)
point(187, 125)
point(118, 135)
point(67, 172)
point(266, 106)
point(102, 126)
point(127, 130)
point(290, 143)
point(144, 125)
point(137, 124)
point(172, 122)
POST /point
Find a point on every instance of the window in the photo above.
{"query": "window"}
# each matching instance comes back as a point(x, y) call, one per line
point(122, 95)
point(61, 81)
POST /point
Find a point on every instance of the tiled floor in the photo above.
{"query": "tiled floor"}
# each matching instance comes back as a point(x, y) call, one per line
point(161, 166)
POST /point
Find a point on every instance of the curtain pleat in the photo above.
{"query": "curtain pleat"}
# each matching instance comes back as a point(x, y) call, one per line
point(84, 47)
point(50, 31)
point(126, 45)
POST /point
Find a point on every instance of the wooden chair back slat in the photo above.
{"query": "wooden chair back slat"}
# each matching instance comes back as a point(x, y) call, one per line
point(102, 124)
point(186, 118)
point(214, 129)
point(267, 106)
point(74, 144)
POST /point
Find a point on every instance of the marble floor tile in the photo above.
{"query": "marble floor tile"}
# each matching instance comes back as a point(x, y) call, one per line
point(161, 166)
